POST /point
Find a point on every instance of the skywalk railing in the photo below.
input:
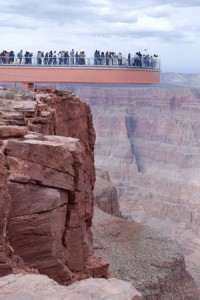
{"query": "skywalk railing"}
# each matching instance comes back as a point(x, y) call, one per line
point(150, 62)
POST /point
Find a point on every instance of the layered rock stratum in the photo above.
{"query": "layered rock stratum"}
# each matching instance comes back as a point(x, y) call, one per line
point(148, 139)
point(46, 186)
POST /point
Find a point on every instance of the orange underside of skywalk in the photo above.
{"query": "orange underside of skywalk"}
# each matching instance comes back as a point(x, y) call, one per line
point(78, 75)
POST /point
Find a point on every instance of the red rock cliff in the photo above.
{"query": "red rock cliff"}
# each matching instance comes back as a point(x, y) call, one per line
point(46, 186)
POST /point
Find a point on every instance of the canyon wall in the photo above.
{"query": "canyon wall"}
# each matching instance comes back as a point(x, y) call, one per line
point(46, 186)
point(148, 139)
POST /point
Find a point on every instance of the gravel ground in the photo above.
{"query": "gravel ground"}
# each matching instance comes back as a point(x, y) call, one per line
point(141, 255)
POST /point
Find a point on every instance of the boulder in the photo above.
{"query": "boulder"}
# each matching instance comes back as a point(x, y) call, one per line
point(105, 193)
point(32, 287)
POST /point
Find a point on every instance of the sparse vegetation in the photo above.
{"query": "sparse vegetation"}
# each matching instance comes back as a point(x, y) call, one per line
point(9, 95)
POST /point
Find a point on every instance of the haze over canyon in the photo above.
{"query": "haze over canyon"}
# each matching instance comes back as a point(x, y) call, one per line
point(148, 139)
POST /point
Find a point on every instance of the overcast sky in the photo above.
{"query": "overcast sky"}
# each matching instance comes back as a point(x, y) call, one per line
point(170, 29)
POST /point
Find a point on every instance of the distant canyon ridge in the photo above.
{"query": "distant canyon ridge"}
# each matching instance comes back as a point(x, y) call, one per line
point(148, 139)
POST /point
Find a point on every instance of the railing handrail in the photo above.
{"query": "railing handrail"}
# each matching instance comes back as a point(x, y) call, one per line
point(146, 62)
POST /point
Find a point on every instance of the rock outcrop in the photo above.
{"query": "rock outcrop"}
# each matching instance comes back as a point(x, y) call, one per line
point(46, 186)
point(105, 194)
point(33, 287)
point(148, 140)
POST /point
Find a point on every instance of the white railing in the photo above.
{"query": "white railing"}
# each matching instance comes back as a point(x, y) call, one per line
point(113, 62)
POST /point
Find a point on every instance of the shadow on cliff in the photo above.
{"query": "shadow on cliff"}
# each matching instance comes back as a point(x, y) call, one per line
point(131, 125)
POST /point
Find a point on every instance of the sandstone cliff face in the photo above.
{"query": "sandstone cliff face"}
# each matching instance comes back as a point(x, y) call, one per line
point(5, 267)
point(47, 186)
point(105, 194)
point(148, 139)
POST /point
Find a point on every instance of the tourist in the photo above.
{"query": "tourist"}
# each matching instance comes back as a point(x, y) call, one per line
point(72, 57)
point(102, 58)
point(82, 58)
point(60, 57)
point(98, 58)
point(76, 58)
point(20, 56)
point(95, 57)
point(66, 58)
point(145, 61)
point(46, 57)
point(136, 60)
point(12, 57)
point(7, 57)
point(50, 60)
point(26, 58)
point(107, 58)
point(30, 58)
point(129, 59)
point(39, 58)
point(54, 58)
point(119, 57)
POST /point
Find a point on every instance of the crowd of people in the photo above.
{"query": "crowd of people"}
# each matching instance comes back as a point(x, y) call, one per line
point(137, 60)
point(41, 58)
point(107, 58)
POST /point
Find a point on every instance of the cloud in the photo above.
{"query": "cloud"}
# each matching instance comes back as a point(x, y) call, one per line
point(187, 3)
point(105, 24)
point(179, 3)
